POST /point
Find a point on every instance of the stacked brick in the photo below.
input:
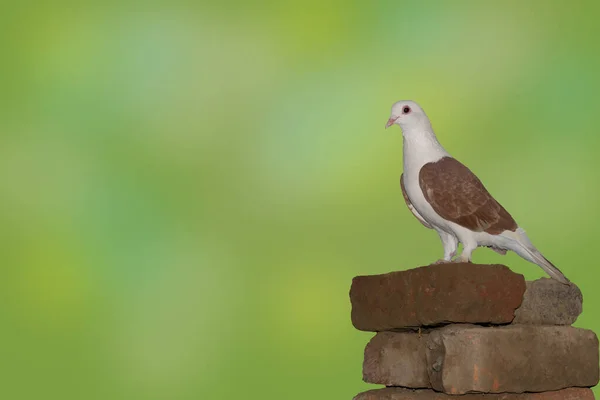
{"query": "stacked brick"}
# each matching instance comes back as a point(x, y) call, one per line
point(478, 331)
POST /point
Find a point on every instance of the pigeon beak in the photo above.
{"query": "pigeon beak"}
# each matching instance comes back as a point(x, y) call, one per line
point(391, 122)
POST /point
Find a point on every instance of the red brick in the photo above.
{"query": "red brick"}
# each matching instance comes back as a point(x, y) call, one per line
point(515, 358)
point(397, 359)
point(436, 294)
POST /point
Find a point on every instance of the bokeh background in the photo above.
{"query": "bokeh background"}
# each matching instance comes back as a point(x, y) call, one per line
point(188, 189)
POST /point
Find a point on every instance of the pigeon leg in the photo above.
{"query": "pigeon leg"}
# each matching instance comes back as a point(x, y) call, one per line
point(450, 245)
point(465, 256)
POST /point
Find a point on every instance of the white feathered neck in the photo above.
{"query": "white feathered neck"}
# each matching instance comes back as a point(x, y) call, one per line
point(420, 146)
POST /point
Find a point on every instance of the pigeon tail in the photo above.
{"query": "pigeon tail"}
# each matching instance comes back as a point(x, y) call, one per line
point(528, 251)
point(547, 266)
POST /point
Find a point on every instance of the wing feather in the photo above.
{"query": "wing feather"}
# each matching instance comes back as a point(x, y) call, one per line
point(457, 195)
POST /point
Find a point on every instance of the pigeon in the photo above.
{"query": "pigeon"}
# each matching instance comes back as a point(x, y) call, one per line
point(444, 195)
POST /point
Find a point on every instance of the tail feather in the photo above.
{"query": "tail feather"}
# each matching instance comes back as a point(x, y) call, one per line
point(527, 250)
point(547, 266)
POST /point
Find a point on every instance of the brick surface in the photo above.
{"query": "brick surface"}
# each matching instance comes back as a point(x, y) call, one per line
point(436, 294)
point(407, 394)
point(397, 359)
point(548, 302)
point(515, 358)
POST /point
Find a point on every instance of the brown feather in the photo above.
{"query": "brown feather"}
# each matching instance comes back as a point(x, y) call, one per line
point(457, 195)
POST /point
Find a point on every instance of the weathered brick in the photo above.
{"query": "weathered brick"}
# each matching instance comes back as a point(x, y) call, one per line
point(397, 359)
point(436, 294)
point(549, 302)
point(408, 394)
point(515, 358)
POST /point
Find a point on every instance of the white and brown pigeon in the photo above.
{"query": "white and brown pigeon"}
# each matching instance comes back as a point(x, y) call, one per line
point(446, 196)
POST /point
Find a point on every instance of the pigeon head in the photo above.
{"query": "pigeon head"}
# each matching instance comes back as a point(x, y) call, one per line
point(407, 114)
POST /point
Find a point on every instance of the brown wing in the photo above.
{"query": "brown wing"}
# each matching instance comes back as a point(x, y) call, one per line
point(410, 206)
point(457, 195)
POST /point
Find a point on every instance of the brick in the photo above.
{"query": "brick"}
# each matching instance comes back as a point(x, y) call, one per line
point(548, 302)
point(397, 359)
point(436, 294)
point(408, 394)
point(514, 358)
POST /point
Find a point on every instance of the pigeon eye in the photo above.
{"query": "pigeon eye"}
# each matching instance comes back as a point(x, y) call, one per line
point(406, 110)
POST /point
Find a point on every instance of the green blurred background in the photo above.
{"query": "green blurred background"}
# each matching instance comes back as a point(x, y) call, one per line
point(188, 188)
